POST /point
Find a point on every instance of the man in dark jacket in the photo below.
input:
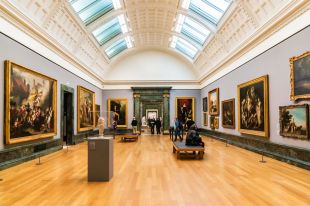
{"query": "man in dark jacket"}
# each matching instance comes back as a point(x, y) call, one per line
point(158, 125)
point(134, 124)
point(152, 125)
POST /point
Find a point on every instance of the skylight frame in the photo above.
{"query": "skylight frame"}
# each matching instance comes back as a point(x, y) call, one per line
point(184, 47)
point(107, 31)
point(118, 46)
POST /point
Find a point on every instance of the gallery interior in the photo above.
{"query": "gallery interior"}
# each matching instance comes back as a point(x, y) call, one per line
point(154, 102)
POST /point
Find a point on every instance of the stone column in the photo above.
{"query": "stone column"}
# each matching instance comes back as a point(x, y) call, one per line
point(136, 109)
point(166, 118)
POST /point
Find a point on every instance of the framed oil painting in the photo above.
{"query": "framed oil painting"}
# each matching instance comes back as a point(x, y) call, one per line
point(30, 104)
point(294, 121)
point(205, 118)
point(86, 109)
point(300, 76)
point(228, 113)
point(185, 108)
point(97, 114)
point(253, 108)
point(205, 104)
point(118, 108)
point(151, 113)
point(214, 122)
point(213, 97)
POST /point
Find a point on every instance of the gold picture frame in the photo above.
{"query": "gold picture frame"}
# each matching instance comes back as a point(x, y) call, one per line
point(253, 107)
point(299, 88)
point(119, 107)
point(213, 102)
point(185, 108)
point(205, 118)
point(228, 113)
point(85, 109)
point(30, 104)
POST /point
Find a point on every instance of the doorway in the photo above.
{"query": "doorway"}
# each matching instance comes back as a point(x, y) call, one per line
point(67, 115)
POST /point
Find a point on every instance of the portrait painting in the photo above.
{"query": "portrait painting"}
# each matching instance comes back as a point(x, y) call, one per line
point(118, 108)
point(294, 121)
point(213, 97)
point(228, 113)
point(205, 104)
point(214, 122)
point(185, 108)
point(97, 114)
point(300, 76)
point(253, 107)
point(30, 104)
point(205, 118)
point(86, 109)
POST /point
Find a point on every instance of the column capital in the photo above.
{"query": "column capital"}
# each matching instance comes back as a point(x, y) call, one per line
point(166, 95)
point(136, 95)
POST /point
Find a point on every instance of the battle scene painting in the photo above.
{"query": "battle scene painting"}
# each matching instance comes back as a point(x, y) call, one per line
point(86, 109)
point(30, 103)
point(118, 108)
point(300, 76)
point(253, 107)
point(184, 108)
point(294, 121)
point(228, 113)
point(214, 101)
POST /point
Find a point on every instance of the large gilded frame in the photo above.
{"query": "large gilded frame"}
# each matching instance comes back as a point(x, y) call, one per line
point(9, 140)
point(292, 70)
point(122, 101)
point(233, 125)
point(264, 133)
point(216, 91)
point(193, 105)
point(79, 128)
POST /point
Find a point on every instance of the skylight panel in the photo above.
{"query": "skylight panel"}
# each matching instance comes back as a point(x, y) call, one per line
point(90, 10)
point(184, 47)
point(118, 46)
point(108, 31)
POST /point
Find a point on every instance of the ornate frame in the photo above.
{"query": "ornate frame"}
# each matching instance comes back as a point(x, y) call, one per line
point(205, 118)
point(193, 105)
point(79, 129)
point(217, 91)
point(126, 112)
point(8, 67)
point(265, 133)
point(292, 60)
point(234, 116)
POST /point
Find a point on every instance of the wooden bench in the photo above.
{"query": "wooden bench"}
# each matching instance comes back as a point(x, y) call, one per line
point(130, 137)
point(180, 147)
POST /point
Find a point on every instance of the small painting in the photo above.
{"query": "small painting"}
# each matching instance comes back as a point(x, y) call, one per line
point(294, 121)
point(205, 119)
point(300, 76)
point(184, 108)
point(30, 104)
point(152, 113)
point(228, 113)
point(253, 107)
point(214, 101)
point(118, 108)
point(214, 122)
point(86, 109)
point(205, 104)
point(97, 114)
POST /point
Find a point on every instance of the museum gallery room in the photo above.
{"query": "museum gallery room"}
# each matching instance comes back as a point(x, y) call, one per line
point(154, 102)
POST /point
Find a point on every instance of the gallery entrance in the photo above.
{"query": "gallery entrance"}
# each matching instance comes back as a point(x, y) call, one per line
point(67, 109)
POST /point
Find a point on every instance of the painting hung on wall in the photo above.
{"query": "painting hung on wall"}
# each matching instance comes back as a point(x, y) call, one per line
point(151, 113)
point(228, 113)
point(86, 109)
point(253, 107)
point(214, 122)
point(300, 76)
point(30, 104)
point(185, 108)
point(294, 121)
point(205, 119)
point(205, 104)
point(213, 97)
point(97, 114)
point(118, 108)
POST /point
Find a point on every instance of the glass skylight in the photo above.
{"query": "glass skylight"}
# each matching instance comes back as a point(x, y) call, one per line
point(184, 47)
point(191, 29)
point(211, 10)
point(118, 46)
point(90, 10)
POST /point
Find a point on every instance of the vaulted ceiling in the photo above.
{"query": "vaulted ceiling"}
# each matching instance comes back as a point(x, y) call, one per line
point(95, 33)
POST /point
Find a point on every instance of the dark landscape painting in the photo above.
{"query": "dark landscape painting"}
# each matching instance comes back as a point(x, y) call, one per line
point(228, 113)
point(185, 108)
point(214, 101)
point(294, 121)
point(253, 107)
point(205, 104)
point(97, 114)
point(300, 76)
point(30, 104)
point(118, 109)
point(86, 109)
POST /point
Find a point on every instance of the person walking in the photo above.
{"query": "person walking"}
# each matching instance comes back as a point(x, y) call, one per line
point(177, 129)
point(158, 125)
point(152, 124)
point(134, 124)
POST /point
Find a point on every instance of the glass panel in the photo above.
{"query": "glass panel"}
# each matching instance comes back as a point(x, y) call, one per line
point(107, 31)
point(184, 47)
point(118, 46)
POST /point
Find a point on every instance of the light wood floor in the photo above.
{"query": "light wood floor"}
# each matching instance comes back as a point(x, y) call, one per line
point(147, 173)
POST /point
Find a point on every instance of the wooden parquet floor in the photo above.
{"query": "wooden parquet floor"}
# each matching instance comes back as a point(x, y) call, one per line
point(146, 172)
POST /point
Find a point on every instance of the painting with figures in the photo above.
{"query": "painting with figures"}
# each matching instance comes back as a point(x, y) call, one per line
point(205, 104)
point(253, 107)
point(228, 113)
point(86, 109)
point(97, 115)
point(30, 102)
point(213, 97)
point(205, 119)
point(185, 108)
point(294, 121)
point(118, 108)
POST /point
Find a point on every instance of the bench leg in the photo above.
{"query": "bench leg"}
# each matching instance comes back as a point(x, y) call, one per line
point(200, 155)
point(173, 149)
point(178, 154)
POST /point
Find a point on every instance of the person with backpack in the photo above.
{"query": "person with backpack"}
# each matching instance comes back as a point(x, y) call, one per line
point(193, 138)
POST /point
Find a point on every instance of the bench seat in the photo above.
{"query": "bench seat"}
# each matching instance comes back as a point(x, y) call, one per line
point(180, 147)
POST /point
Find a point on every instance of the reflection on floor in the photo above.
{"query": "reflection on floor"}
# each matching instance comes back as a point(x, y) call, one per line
point(147, 173)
